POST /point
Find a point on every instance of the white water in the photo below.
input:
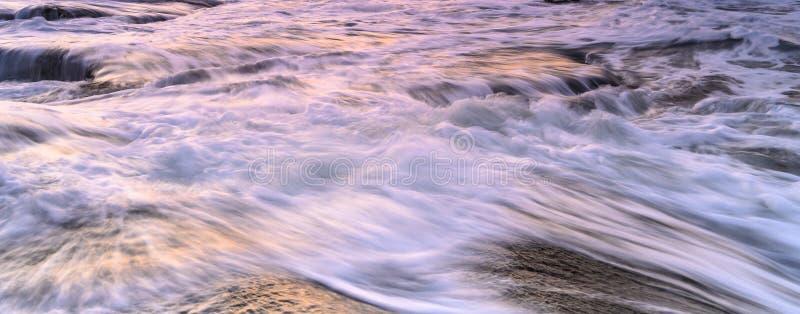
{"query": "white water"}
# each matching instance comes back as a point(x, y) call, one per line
point(133, 173)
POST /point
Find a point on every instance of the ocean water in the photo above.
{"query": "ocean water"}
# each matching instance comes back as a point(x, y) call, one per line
point(151, 148)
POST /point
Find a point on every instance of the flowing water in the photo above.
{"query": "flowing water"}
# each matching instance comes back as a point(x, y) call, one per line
point(151, 148)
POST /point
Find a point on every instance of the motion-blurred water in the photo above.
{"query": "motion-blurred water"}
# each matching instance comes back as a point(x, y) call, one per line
point(151, 147)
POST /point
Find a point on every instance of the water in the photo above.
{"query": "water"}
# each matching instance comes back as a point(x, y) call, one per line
point(152, 148)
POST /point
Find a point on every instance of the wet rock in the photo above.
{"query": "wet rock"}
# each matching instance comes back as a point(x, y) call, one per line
point(519, 71)
point(773, 158)
point(52, 12)
point(753, 64)
point(47, 64)
point(793, 68)
point(677, 46)
point(263, 65)
point(6, 15)
point(680, 54)
point(586, 54)
point(729, 105)
point(152, 18)
point(498, 87)
point(630, 104)
point(100, 88)
point(201, 3)
point(793, 94)
point(438, 95)
point(786, 46)
point(197, 3)
point(183, 78)
point(580, 85)
point(545, 278)
point(741, 104)
point(278, 81)
point(762, 8)
point(528, 61)
point(272, 294)
point(689, 91)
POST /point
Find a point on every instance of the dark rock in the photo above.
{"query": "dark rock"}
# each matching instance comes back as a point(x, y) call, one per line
point(272, 294)
point(550, 279)
point(52, 12)
point(100, 88)
point(679, 53)
point(439, 94)
point(183, 78)
point(37, 65)
point(792, 94)
point(772, 158)
point(793, 68)
point(753, 64)
point(278, 81)
point(197, 3)
point(580, 85)
point(690, 91)
point(787, 46)
point(762, 8)
point(151, 18)
point(263, 65)
point(6, 15)
point(201, 3)
point(634, 103)
point(584, 54)
point(498, 87)
point(670, 47)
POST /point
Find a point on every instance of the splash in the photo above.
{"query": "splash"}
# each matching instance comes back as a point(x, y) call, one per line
point(155, 149)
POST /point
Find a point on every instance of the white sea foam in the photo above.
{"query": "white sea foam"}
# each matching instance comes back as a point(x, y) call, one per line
point(122, 187)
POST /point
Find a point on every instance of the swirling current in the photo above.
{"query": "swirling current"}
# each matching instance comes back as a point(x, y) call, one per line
point(411, 156)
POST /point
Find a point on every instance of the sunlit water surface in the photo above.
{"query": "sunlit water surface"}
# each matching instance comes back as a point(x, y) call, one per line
point(141, 143)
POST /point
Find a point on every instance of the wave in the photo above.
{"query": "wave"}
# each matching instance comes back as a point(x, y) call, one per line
point(53, 12)
point(19, 129)
point(650, 147)
point(36, 64)
point(136, 14)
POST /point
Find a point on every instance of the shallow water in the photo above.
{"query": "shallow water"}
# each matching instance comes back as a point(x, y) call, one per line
point(152, 148)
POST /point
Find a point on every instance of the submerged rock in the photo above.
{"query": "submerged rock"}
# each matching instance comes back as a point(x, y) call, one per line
point(43, 64)
point(689, 91)
point(546, 278)
point(52, 12)
point(272, 294)
point(773, 158)
point(6, 15)
point(197, 3)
